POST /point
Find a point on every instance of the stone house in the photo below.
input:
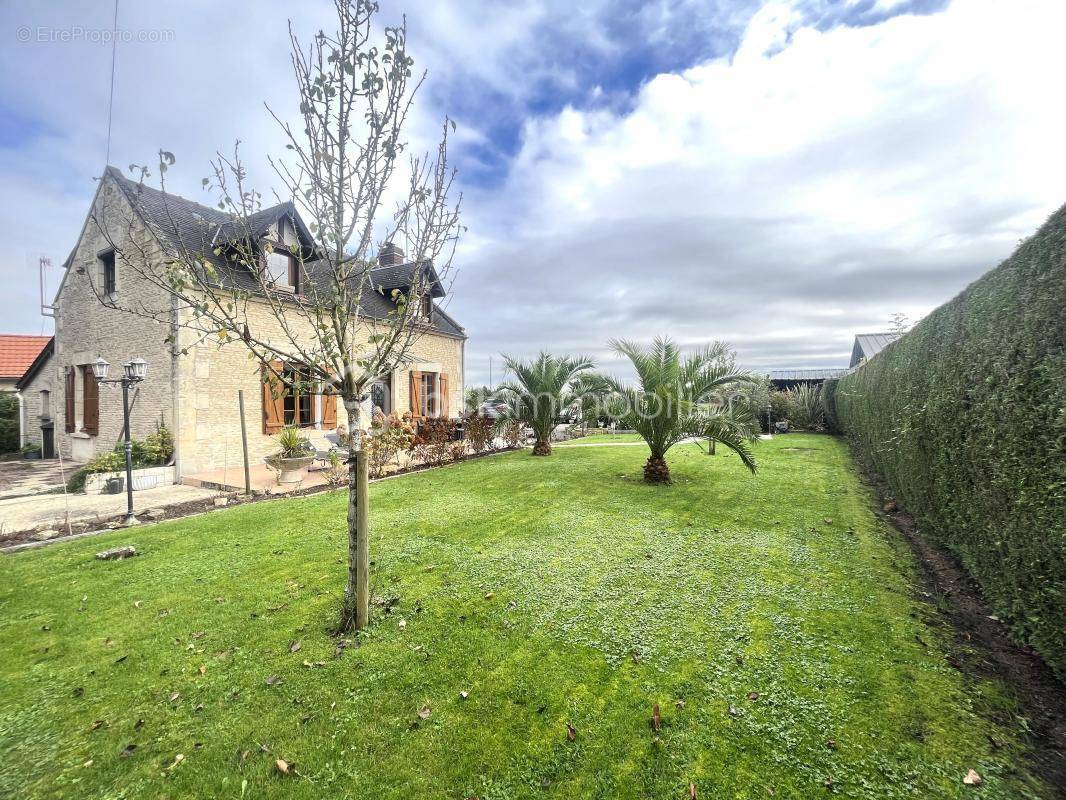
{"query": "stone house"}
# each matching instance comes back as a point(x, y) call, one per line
point(192, 385)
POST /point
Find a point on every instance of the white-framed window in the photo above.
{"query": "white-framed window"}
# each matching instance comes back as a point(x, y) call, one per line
point(281, 269)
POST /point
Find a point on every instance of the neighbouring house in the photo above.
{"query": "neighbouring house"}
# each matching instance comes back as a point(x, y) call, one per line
point(791, 378)
point(36, 421)
point(192, 386)
point(17, 352)
point(867, 345)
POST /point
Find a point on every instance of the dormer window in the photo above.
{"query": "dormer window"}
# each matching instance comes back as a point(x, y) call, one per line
point(282, 270)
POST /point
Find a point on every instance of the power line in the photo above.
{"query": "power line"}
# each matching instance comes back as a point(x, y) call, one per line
point(111, 96)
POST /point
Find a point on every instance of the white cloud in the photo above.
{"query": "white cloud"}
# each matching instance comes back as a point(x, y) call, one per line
point(787, 197)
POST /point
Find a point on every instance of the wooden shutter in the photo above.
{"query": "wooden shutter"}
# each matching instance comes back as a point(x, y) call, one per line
point(416, 394)
point(90, 402)
point(273, 397)
point(68, 414)
point(442, 392)
point(329, 408)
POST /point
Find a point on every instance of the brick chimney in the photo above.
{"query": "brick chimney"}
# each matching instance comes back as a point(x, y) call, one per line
point(390, 255)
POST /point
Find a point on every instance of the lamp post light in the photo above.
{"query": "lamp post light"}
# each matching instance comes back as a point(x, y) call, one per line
point(133, 373)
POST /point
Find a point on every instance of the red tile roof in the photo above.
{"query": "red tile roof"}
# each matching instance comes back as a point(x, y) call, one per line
point(18, 352)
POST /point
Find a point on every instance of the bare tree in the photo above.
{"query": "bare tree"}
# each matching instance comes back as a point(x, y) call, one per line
point(343, 162)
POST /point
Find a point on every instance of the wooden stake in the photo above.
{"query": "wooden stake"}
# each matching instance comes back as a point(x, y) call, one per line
point(362, 540)
point(244, 443)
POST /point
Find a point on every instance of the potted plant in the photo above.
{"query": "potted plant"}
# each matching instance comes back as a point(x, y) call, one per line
point(292, 457)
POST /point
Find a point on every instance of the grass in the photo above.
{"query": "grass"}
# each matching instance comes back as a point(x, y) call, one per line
point(551, 590)
point(602, 438)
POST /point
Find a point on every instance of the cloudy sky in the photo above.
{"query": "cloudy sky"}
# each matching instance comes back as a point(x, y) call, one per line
point(779, 175)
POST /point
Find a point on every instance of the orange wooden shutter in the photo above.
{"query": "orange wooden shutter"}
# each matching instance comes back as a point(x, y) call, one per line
point(442, 390)
point(416, 394)
point(68, 414)
point(90, 403)
point(273, 397)
point(329, 408)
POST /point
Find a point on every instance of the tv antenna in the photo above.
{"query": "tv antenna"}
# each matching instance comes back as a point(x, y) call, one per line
point(43, 264)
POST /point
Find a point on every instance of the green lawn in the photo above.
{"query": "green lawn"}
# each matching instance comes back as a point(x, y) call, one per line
point(601, 438)
point(551, 590)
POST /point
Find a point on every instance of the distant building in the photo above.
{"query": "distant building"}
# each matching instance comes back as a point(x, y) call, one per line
point(867, 345)
point(790, 378)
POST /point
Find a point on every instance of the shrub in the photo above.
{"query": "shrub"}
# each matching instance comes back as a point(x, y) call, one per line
point(964, 417)
point(433, 442)
point(513, 433)
point(805, 407)
point(389, 436)
point(479, 431)
point(9, 422)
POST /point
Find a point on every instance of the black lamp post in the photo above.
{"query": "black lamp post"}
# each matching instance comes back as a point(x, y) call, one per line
point(769, 424)
point(134, 372)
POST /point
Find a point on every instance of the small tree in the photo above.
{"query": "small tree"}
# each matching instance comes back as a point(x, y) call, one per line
point(675, 399)
point(344, 159)
point(542, 391)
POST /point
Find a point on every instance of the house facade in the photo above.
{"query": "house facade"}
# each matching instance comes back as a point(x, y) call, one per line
point(193, 385)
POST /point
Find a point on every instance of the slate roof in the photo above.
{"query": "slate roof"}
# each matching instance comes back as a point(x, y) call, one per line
point(867, 345)
point(18, 352)
point(186, 225)
point(807, 374)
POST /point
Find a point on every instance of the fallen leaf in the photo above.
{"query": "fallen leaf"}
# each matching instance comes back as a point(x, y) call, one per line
point(831, 744)
point(489, 595)
point(733, 712)
point(199, 707)
point(174, 696)
point(273, 680)
point(680, 704)
point(203, 669)
point(973, 778)
point(177, 760)
point(740, 661)
point(137, 603)
point(128, 750)
point(692, 791)
point(96, 724)
point(424, 712)
point(78, 692)
point(402, 624)
point(464, 695)
point(571, 732)
point(827, 521)
point(88, 763)
point(656, 718)
point(138, 724)
point(120, 659)
point(199, 634)
point(829, 782)
point(294, 647)
point(753, 695)
point(282, 766)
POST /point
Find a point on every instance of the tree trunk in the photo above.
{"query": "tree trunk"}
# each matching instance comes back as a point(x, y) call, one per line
point(542, 447)
point(710, 447)
point(355, 612)
point(656, 470)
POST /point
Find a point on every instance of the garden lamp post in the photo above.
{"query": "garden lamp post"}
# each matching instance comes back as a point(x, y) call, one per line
point(133, 373)
point(769, 424)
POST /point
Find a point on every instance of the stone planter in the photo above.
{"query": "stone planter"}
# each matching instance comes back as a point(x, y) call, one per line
point(292, 470)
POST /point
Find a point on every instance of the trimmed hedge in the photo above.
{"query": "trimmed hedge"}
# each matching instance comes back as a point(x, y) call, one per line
point(965, 417)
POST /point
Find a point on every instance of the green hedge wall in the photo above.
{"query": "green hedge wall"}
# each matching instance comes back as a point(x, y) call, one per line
point(965, 417)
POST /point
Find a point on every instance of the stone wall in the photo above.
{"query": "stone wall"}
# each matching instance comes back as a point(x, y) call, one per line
point(86, 329)
point(211, 375)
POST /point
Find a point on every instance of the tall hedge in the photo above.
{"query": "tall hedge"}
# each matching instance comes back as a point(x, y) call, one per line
point(965, 417)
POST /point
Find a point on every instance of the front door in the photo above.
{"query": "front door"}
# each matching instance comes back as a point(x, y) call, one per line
point(48, 442)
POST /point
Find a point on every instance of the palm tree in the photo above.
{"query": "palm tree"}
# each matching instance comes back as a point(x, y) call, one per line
point(543, 390)
point(675, 401)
